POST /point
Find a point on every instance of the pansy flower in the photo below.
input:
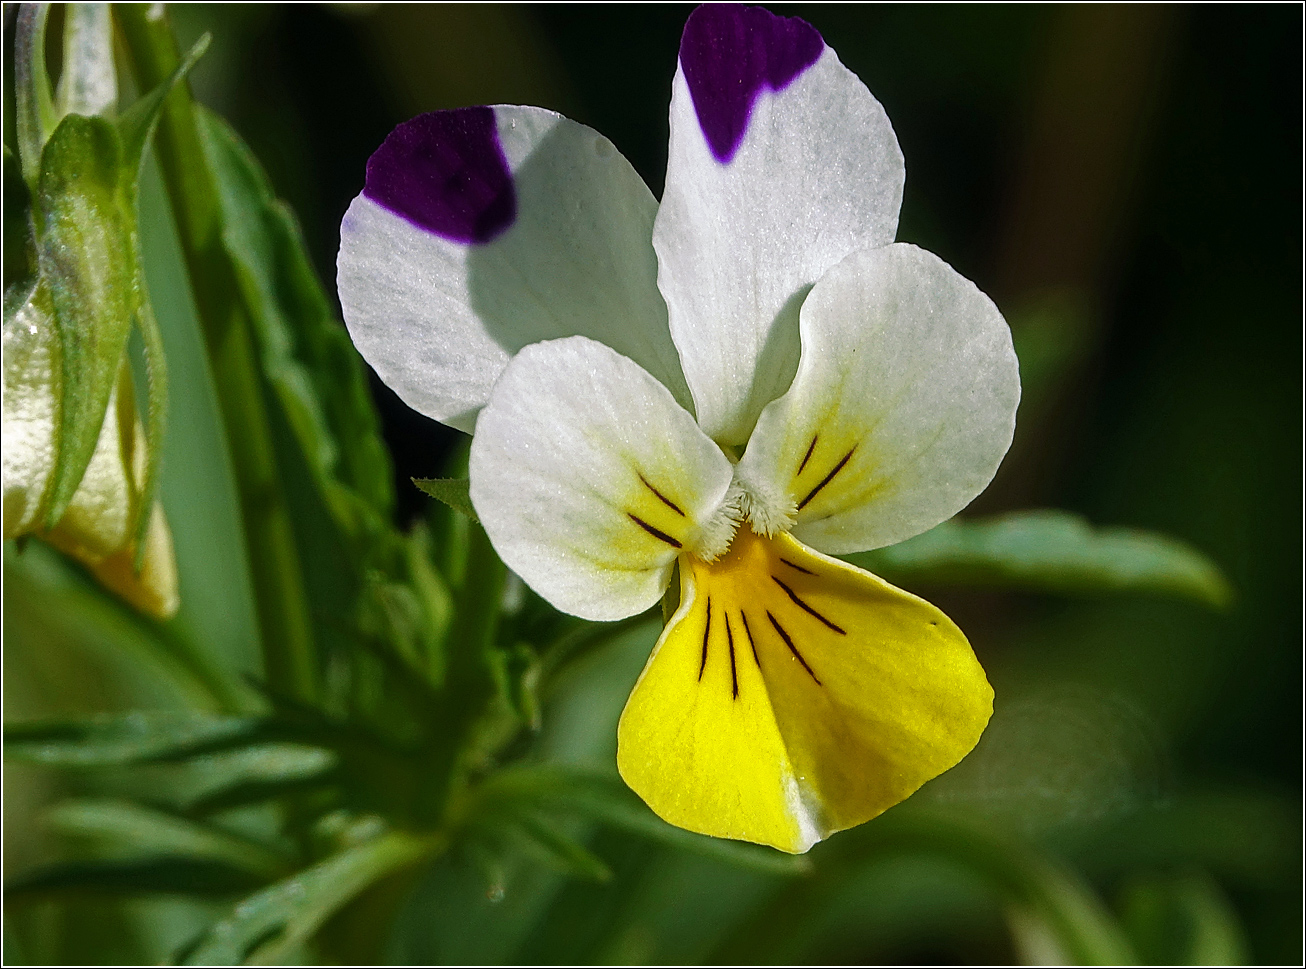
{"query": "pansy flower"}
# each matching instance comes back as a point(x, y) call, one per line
point(735, 385)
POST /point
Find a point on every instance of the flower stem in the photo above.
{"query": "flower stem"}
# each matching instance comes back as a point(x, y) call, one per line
point(275, 570)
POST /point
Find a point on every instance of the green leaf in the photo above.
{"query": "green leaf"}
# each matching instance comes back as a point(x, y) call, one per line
point(136, 876)
point(454, 492)
point(607, 800)
point(119, 824)
point(306, 354)
point(1051, 551)
point(35, 115)
point(1183, 920)
point(289, 913)
point(129, 739)
point(1052, 912)
point(87, 252)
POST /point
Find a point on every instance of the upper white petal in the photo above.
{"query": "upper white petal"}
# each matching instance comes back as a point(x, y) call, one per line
point(903, 406)
point(818, 175)
point(438, 318)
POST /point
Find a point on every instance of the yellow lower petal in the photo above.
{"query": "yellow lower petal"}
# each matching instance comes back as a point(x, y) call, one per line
point(793, 695)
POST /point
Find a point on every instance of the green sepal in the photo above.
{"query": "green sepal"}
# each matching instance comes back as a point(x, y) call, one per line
point(89, 254)
point(87, 257)
point(454, 492)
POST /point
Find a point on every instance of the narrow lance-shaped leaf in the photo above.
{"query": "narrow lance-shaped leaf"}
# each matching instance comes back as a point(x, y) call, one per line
point(262, 773)
point(127, 739)
point(146, 830)
point(1055, 551)
point(266, 925)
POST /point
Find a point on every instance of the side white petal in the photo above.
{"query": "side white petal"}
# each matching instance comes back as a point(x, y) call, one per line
point(590, 479)
point(903, 406)
point(483, 230)
point(818, 175)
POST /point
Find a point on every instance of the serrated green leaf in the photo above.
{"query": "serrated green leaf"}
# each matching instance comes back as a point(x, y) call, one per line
point(125, 825)
point(454, 492)
point(1052, 551)
point(289, 913)
point(138, 876)
point(88, 258)
point(306, 353)
point(607, 800)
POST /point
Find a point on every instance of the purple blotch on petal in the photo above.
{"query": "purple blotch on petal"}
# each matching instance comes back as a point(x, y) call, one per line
point(446, 172)
point(729, 53)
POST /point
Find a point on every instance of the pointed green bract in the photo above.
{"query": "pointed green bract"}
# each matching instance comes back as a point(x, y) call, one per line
point(454, 492)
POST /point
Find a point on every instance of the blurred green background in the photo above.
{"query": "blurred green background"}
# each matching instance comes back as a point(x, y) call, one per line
point(1125, 182)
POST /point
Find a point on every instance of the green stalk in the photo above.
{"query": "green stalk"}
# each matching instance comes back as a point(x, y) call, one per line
point(469, 680)
point(280, 601)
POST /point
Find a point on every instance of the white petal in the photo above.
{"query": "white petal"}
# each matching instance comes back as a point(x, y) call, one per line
point(903, 406)
point(590, 479)
point(744, 231)
point(31, 403)
point(483, 230)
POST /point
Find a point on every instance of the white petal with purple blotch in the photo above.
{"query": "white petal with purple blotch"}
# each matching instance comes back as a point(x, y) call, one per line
point(482, 230)
point(903, 406)
point(590, 479)
point(781, 163)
